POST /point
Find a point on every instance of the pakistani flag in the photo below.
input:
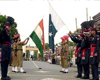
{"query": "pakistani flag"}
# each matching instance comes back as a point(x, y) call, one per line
point(38, 37)
point(55, 23)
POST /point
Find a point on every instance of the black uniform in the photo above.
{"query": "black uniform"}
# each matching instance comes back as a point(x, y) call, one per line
point(85, 50)
point(6, 48)
point(77, 51)
point(5, 53)
point(94, 60)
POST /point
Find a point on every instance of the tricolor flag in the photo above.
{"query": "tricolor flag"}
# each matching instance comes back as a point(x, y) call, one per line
point(38, 37)
point(55, 23)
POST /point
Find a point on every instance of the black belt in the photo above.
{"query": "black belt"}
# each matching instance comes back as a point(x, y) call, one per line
point(7, 44)
point(93, 46)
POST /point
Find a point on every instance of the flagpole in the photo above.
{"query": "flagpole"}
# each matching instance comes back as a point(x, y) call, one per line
point(57, 15)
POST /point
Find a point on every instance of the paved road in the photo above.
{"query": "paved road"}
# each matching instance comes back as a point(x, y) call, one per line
point(48, 72)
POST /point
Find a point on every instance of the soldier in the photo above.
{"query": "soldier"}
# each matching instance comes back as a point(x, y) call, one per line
point(14, 53)
point(85, 50)
point(20, 53)
point(6, 48)
point(77, 51)
point(62, 55)
point(94, 54)
point(66, 64)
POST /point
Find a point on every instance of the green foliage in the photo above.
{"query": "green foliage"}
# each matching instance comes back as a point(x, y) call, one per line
point(71, 53)
point(47, 46)
point(35, 54)
point(2, 20)
point(71, 43)
point(13, 27)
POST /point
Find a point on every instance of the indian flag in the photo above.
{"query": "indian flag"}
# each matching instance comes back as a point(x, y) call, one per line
point(38, 37)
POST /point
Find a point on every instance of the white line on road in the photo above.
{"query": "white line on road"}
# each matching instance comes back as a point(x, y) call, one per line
point(35, 64)
point(38, 68)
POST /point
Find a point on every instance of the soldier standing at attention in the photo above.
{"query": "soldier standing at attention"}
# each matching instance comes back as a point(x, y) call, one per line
point(62, 55)
point(77, 51)
point(94, 53)
point(85, 52)
point(14, 53)
point(20, 53)
point(6, 48)
point(66, 64)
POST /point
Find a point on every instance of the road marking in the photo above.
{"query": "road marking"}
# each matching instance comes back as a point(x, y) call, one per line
point(41, 71)
point(35, 64)
point(50, 79)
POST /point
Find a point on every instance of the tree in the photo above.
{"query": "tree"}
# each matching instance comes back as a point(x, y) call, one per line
point(70, 43)
point(71, 53)
point(13, 27)
point(47, 46)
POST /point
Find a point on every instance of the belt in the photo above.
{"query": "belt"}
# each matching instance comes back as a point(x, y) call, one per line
point(93, 45)
point(7, 44)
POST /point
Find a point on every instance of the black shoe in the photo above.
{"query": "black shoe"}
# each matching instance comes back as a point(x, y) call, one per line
point(23, 72)
point(9, 77)
point(64, 72)
point(78, 76)
point(85, 78)
point(6, 78)
point(16, 71)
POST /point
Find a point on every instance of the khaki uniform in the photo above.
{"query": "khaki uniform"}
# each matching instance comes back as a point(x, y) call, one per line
point(65, 64)
point(62, 56)
point(20, 53)
point(14, 58)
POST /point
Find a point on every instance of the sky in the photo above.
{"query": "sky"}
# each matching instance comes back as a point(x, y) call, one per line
point(28, 13)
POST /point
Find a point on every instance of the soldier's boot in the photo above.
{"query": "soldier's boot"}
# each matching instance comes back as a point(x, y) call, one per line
point(21, 70)
point(66, 70)
point(13, 69)
point(62, 70)
point(16, 70)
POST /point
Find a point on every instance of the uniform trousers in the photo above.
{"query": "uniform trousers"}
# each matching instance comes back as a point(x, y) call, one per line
point(95, 71)
point(14, 60)
point(86, 70)
point(4, 68)
point(19, 58)
point(79, 69)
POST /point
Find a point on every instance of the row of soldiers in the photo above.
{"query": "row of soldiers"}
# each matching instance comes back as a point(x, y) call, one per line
point(87, 51)
point(17, 54)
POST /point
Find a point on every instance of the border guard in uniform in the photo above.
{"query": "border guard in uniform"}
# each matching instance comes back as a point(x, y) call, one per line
point(20, 53)
point(6, 48)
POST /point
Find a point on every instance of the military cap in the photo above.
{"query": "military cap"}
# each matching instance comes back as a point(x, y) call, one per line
point(66, 38)
point(91, 23)
point(94, 29)
point(85, 24)
point(82, 35)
